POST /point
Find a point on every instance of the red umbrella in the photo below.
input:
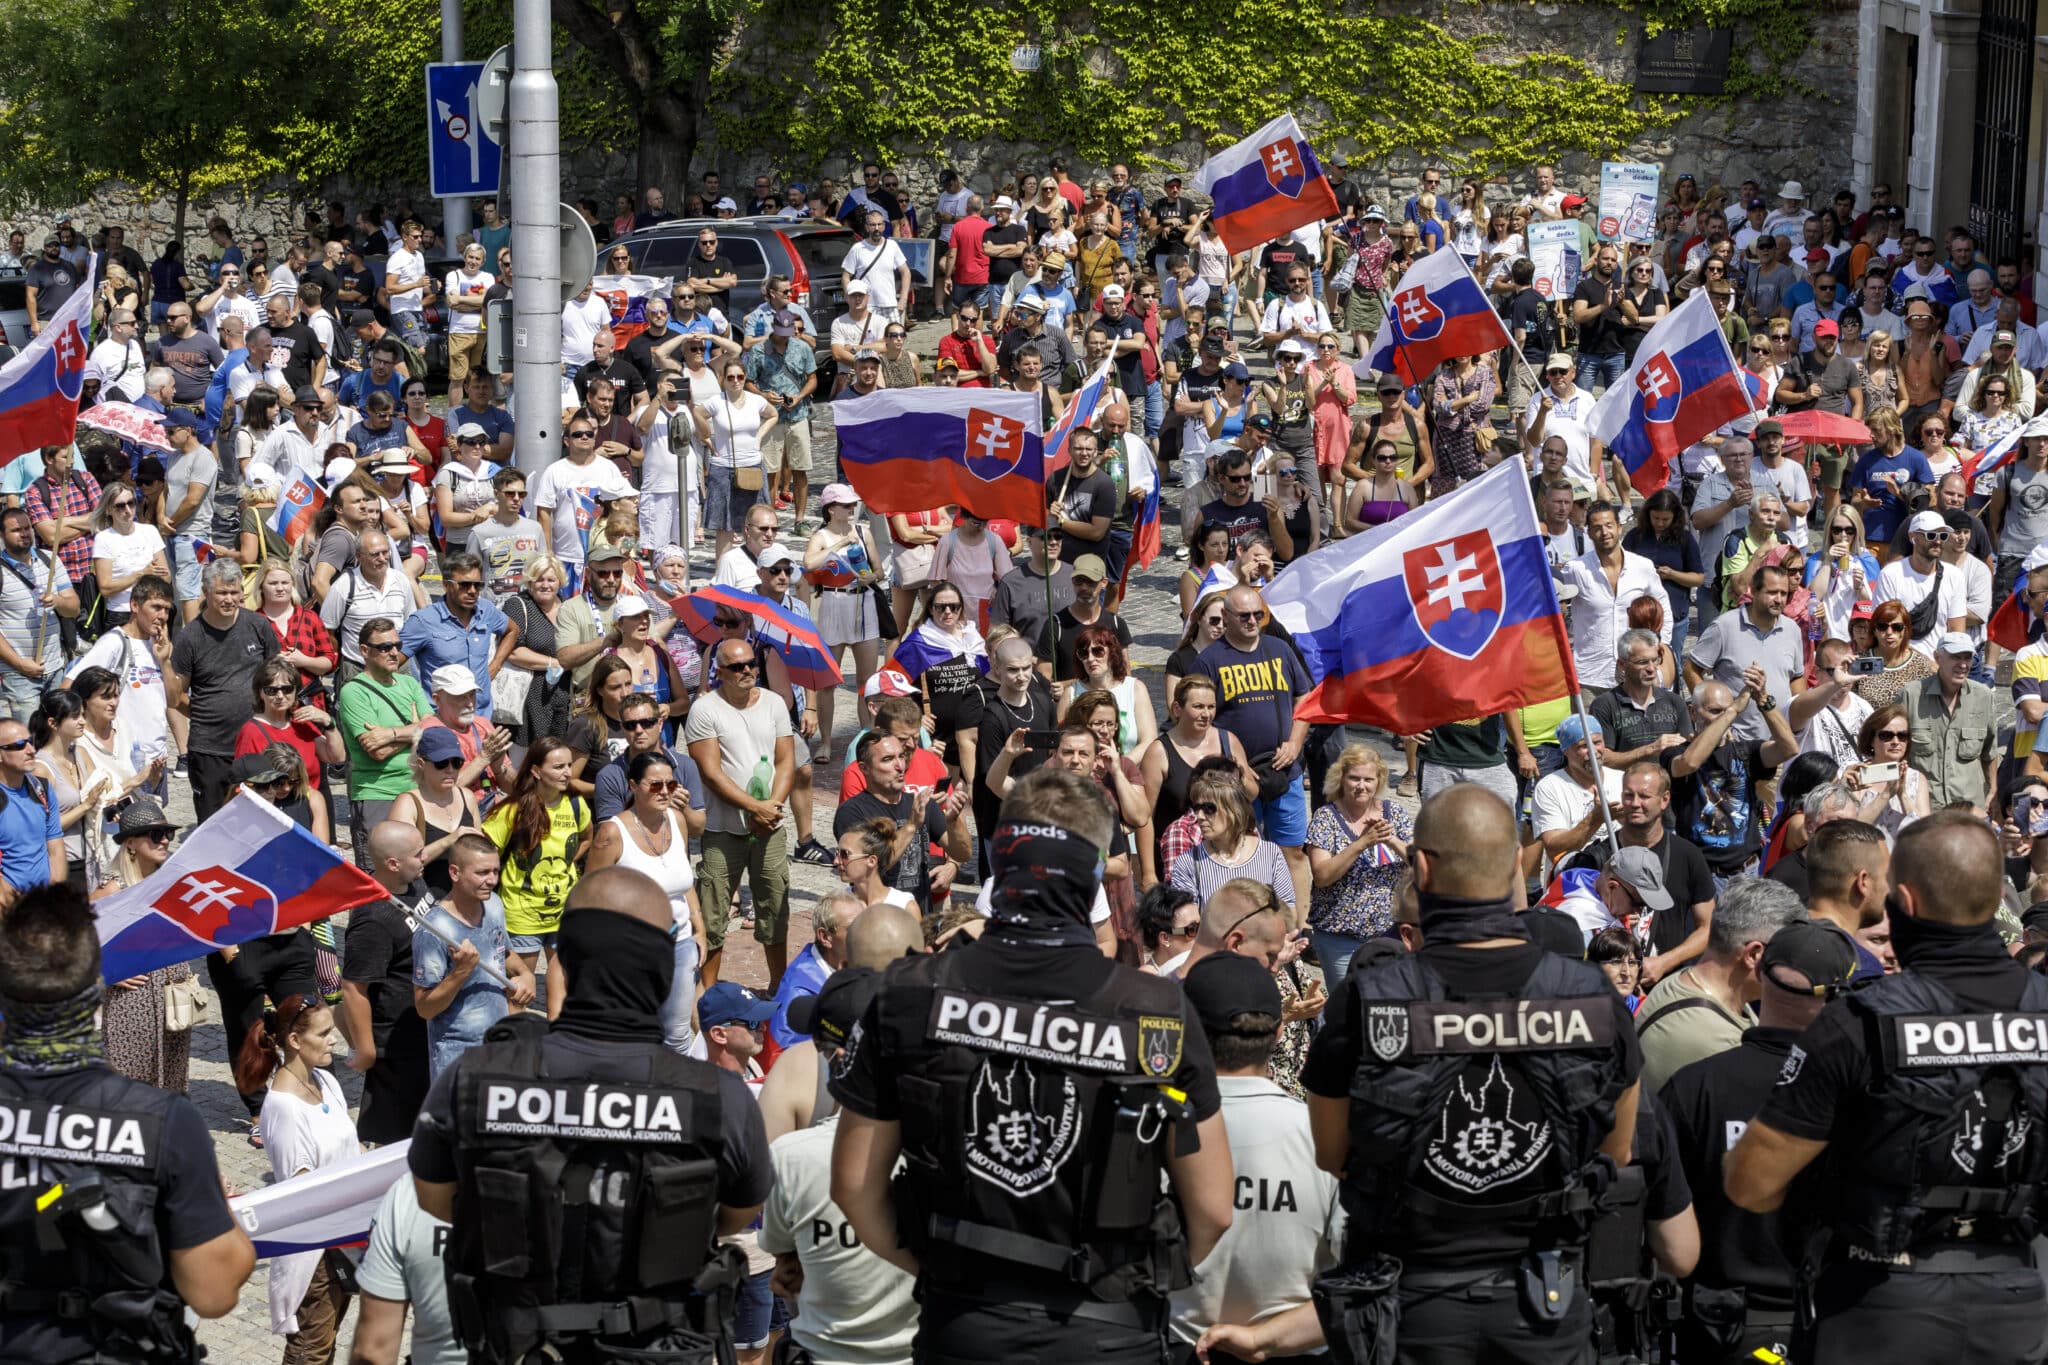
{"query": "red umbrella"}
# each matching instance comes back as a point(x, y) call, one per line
point(1819, 428)
point(137, 426)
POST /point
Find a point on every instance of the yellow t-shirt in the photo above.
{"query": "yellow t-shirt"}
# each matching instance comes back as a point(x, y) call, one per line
point(1540, 721)
point(2029, 679)
point(535, 889)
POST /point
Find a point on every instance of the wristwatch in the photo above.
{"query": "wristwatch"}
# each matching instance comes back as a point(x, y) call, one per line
point(1767, 702)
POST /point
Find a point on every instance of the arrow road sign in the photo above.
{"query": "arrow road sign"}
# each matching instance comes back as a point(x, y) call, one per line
point(462, 157)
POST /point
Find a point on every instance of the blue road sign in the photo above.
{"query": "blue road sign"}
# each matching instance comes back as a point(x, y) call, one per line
point(461, 158)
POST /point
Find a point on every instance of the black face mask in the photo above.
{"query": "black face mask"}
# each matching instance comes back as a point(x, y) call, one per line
point(1045, 884)
point(1455, 919)
point(620, 972)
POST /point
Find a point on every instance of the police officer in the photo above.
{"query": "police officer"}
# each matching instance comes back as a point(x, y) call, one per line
point(589, 1171)
point(1476, 1099)
point(1035, 1090)
point(1741, 1294)
point(1921, 1102)
point(112, 1220)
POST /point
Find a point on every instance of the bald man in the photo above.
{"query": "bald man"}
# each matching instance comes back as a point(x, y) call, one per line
point(1243, 916)
point(794, 1095)
point(1923, 1098)
point(517, 1129)
point(387, 1037)
point(1519, 1067)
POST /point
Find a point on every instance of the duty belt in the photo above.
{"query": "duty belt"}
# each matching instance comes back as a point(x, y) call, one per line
point(1951, 1258)
point(1140, 1315)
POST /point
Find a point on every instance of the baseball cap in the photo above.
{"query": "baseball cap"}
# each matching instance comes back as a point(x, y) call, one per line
point(471, 431)
point(1172, 180)
point(1091, 568)
point(1642, 870)
point(254, 770)
point(831, 1014)
point(1816, 950)
point(1559, 360)
point(338, 468)
point(1758, 204)
point(630, 606)
point(261, 476)
point(867, 353)
point(773, 555)
point(605, 554)
point(1339, 159)
point(2003, 339)
point(1572, 730)
point(1259, 421)
point(1374, 211)
point(1955, 642)
point(784, 324)
point(438, 743)
point(1223, 986)
point(1771, 426)
point(1236, 370)
point(361, 318)
point(51, 240)
point(1573, 202)
point(1817, 254)
point(728, 1002)
point(1926, 523)
point(724, 205)
point(1112, 291)
point(891, 682)
point(178, 417)
point(856, 286)
point(838, 492)
point(454, 679)
point(1389, 382)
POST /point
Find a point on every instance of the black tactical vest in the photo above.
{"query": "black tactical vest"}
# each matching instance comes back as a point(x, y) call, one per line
point(81, 1156)
point(586, 1206)
point(1407, 1094)
point(1948, 1141)
point(1036, 1134)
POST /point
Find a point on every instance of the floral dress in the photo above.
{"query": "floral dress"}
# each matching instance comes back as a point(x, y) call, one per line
point(1362, 904)
point(1458, 456)
point(132, 1021)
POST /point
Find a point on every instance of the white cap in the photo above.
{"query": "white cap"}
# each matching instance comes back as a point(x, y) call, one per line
point(337, 469)
point(724, 204)
point(630, 606)
point(856, 286)
point(1112, 291)
point(1926, 523)
point(261, 476)
point(1955, 642)
point(454, 679)
point(774, 554)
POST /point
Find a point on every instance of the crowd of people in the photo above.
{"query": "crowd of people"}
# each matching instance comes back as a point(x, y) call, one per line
point(488, 686)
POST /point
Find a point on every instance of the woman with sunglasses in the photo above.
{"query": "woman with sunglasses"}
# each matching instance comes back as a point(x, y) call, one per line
point(1892, 633)
point(1230, 846)
point(1468, 223)
point(1208, 548)
point(860, 854)
point(1287, 401)
point(463, 494)
point(1168, 764)
point(1643, 304)
point(1357, 853)
point(542, 830)
point(1988, 415)
point(973, 561)
point(1168, 920)
point(732, 429)
point(618, 262)
point(1332, 390)
point(280, 717)
point(1204, 628)
point(596, 734)
point(438, 806)
point(648, 836)
point(553, 642)
point(124, 548)
point(1887, 737)
point(132, 1013)
point(901, 368)
point(1840, 573)
point(79, 791)
point(1382, 495)
point(1294, 507)
point(1102, 667)
point(426, 436)
point(946, 657)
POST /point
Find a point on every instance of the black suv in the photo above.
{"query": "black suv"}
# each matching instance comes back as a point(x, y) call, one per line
point(809, 253)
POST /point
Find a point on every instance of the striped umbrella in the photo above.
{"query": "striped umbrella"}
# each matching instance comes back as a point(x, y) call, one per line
point(810, 664)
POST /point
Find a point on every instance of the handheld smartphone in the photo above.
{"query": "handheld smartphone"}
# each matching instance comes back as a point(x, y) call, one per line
point(1874, 773)
point(1865, 666)
point(2030, 815)
point(1041, 739)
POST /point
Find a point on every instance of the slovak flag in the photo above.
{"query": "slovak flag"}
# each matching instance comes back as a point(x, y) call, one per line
point(1265, 186)
point(910, 450)
point(203, 551)
point(1444, 615)
point(1993, 457)
point(1753, 385)
point(39, 388)
point(1684, 384)
point(247, 872)
point(1080, 412)
point(1438, 313)
point(297, 505)
point(1144, 481)
point(329, 1207)
point(584, 504)
point(2010, 627)
point(626, 296)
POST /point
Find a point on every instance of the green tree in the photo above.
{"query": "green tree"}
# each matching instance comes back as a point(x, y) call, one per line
point(177, 97)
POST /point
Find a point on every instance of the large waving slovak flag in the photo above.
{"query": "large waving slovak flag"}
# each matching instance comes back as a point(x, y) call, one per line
point(39, 388)
point(1446, 614)
point(331, 1207)
point(1143, 474)
point(1438, 313)
point(297, 505)
point(910, 450)
point(248, 871)
point(1080, 412)
point(1684, 384)
point(1999, 453)
point(626, 296)
point(1266, 186)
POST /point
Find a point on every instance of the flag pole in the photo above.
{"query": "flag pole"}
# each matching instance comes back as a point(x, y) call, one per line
point(1599, 772)
point(43, 613)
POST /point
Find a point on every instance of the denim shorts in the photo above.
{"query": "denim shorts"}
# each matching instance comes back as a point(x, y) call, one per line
point(534, 943)
point(184, 568)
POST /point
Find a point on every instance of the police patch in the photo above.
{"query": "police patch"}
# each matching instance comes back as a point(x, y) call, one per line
point(61, 1132)
point(1159, 1039)
point(1035, 1030)
point(1795, 1061)
point(607, 1112)
point(1584, 1021)
point(1386, 1030)
point(1920, 1042)
point(1016, 1140)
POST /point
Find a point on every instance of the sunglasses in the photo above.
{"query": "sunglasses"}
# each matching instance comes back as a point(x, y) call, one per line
point(468, 585)
point(727, 622)
point(737, 664)
point(1387, 459)
point(513, 493)
point(285, 691)
point(18, 745)
point(582, 435)
point(663, 787)
point(938, 607)
point(1204, 807)
point(1898, 736)
point(1237, 478)
point(1890, 629)
point(123, 504)
point(381, 647)
point(1096, 652)
point(644, 723)
point(446, 764)
point(1246, 615)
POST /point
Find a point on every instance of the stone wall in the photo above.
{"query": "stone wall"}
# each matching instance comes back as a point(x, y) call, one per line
point(1806, 138)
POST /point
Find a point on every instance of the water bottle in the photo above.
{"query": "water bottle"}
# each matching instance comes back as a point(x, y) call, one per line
point(763, 780)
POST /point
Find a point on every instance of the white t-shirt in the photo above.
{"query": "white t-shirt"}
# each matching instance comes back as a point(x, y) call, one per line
point(658, 457)
point(1559, 802)
point(1792, 485)
point(400, 266)
point(952, 205)
point(233, 306)
point(854, 333)
point(736, 569)
point(1900, 582)
point(550, 494)
point(403, 1262)
point(1570, 419)
point(856, 1308)
point(580, 322)
point(120, 369)
point(298, 1136)
point(880, 264)
point(141, 720)
point(735, 429)
point(745, 738)
point(1308, 314)
point(1834, 729)
point(1288, 1224)
point(462, 285)
point(126, 555)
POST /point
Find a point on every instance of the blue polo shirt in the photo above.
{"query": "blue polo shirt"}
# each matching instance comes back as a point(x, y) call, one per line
point(431, 637)
point(27, 826)
point(806, 976)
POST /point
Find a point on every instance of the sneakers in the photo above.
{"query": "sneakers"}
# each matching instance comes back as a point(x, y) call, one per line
point(812, 852)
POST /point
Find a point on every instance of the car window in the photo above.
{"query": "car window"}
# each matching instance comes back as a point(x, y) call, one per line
point(745, 254)
point(13, 294)
point(823, 252)
point(664, 254)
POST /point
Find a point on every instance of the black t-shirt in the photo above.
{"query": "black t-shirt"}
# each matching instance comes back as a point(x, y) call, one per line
point(1529, 313)
point(328, 281)
point(355, 287)
point(54, 283)
point(1239, 521)
point(621, 373)
point(1690, 882)
point(744, 1173)
point(1506, 1104)
point(1708, 1104)
point(293, 349)
point(1669, 1191)
point(701, 269)
point(1173, 215)
point(1716, 806)
point(1001, 268)
point(1629, 727)
point(1083, 498)
point(1070, 627)
point(984, 711)
point(1130, 365)
point(912, 872)
point(1790, 870)
point(378, 948)
point(1256, 690)
point(217, 666)
point(1277, 258)
point(1602, 336)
